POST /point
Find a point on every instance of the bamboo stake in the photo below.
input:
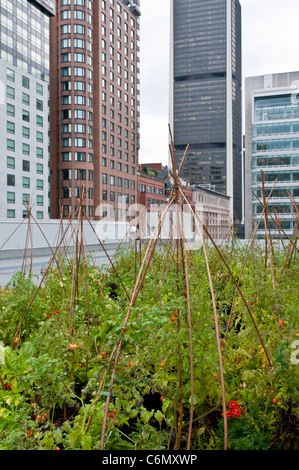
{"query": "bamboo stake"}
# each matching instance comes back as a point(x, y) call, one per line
point(141, 275)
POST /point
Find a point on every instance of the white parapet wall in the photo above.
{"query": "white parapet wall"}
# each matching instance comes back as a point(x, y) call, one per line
point(51, 233)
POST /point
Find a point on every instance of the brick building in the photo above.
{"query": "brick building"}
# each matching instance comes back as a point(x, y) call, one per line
point(94, 106)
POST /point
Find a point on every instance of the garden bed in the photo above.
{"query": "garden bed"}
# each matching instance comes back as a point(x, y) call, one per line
point(179, 350)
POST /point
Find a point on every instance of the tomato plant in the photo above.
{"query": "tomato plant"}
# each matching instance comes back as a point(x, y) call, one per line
point(88, 359)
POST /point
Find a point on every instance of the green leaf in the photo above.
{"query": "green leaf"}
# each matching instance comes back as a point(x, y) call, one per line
point(159, 416)
point(73, 438)
point(201, 431)
point(86, 442)
point(4, 412)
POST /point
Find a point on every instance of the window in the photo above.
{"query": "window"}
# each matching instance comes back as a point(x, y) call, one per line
point(66, 71)
point(10, 75)
point(25, 149)
point(66, 114)
point(79, 86)
point(79, 142)
point(25, 115)
point(10, 162)
point(25, 82)
point(112, 196)
point(25, 165)
point(66, 57)
point(39, 152)
point(66, 29)
point(79, 57)
point(10, 127)
point(112, 180)
point(80, 174)
point(66, 142)
point(39, 200)
point(40, 185)
point(26, 132)
point(80, 156)
point(79, 113)
point(11, 197)
point(65, 43)
point(104, 178)
point(79, 15)
point(66, 156)
point(66, 14)
point(25, 199)
point(10, 110)
point(66, 99)
point(39, 168)
point(11, 213)
point(66, 128)
point(10, 145)
point(11, 180)
point(104, 195)
point(66, 193)
point(79, 29)
point(79, 71)
point(39, 215)
point(80, 128)
point(39, 89)
point(79, 43)
point(80, 100)
point(66, 174)
point(39, 136)
point(25, 99)
point(10, 92)
point(26, 182)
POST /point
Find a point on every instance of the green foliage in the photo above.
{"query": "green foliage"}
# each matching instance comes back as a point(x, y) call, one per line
point(68, 339)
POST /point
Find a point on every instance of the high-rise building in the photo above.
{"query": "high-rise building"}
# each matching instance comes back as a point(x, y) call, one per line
point(24, 110)
point(271, 146)
point(94, 106)
point(205, 94)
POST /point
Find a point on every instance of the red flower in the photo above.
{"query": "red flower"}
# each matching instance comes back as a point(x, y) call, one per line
point(228, 414)
point(236, 413)
point(234, 410)
point(233, 405)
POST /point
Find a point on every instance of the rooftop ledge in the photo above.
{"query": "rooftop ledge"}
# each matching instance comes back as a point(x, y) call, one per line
point(134, 6)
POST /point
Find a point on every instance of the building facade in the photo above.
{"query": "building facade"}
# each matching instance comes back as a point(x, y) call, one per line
point(205, 94)
point(151, 189)
point(213, 211)
point(95, 107)
point(272, 146)
point(24, 80)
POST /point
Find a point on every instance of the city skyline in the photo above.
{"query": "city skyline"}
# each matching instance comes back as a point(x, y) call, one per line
point(263, 51)
point(205, 95)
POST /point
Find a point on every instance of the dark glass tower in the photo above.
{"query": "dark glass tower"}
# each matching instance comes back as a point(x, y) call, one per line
point(205, 100)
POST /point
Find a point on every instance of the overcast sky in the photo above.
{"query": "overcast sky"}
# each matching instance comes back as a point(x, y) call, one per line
point(270, 42)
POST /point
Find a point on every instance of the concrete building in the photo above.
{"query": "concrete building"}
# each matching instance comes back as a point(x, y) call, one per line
point(205, 94)
point(213, 211)
point(271, 145)
point(95, 106)
point(24, 79)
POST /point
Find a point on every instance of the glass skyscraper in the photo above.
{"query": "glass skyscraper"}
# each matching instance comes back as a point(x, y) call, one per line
point(272, 145)
point(205, 100)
